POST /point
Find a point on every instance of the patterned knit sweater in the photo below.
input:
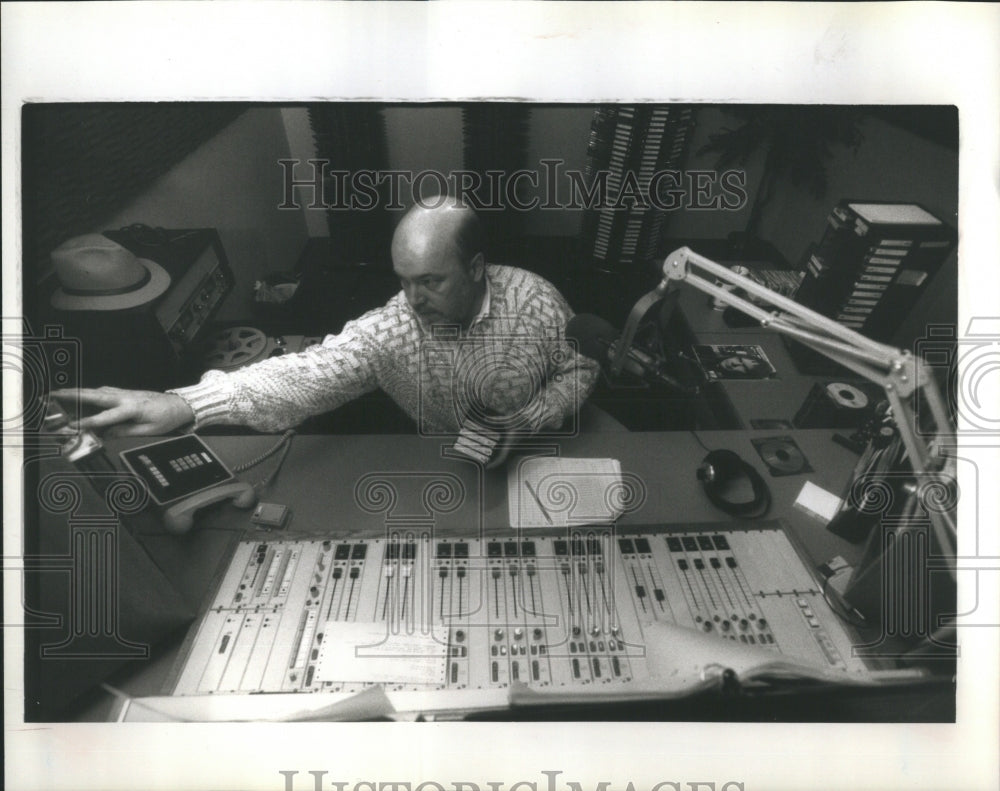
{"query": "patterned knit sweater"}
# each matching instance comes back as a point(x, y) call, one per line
point(512, 361)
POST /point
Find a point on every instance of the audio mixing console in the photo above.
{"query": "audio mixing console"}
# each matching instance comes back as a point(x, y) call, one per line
point(546, 610)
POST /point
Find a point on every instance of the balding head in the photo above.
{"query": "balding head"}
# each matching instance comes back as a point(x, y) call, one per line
point(437, 254)
point(435, 228)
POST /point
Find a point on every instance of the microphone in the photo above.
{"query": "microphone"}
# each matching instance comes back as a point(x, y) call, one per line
point(597, 339)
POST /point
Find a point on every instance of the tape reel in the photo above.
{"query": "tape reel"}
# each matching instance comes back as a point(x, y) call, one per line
point(233, 348)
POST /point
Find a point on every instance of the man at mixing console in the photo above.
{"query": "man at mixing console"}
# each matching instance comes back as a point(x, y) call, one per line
point(462, 340)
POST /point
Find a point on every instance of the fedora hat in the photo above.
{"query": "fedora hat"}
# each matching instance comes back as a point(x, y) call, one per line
point(96, 273)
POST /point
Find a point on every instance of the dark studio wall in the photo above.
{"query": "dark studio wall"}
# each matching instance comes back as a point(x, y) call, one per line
point(233, 182)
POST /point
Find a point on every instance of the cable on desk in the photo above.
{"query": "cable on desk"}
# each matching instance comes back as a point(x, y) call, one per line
point(284, 444)
point(698, 440)
point(852, 617)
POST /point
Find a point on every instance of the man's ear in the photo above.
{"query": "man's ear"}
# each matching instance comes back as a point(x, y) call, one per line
point(477, 266)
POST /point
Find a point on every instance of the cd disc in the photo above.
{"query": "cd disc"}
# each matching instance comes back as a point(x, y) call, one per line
point(781, 455)
point(234, 347)
point(847, 396)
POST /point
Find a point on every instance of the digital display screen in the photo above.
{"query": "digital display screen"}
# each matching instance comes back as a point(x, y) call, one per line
point(175, 468)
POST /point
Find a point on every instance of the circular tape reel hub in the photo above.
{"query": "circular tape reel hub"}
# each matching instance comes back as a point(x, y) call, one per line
point(234, 347)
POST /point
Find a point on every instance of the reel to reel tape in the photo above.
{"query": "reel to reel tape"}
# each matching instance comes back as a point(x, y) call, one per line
point(234, 347)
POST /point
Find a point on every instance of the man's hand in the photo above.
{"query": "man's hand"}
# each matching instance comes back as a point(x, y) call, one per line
point(129, 413)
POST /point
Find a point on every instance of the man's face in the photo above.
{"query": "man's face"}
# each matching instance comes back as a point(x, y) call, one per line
point(439, 288)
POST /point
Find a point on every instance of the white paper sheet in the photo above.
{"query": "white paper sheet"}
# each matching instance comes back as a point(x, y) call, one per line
point(817, 502)
point(366, 652)
point(556, 492)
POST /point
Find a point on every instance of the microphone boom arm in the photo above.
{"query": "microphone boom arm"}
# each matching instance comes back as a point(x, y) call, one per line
point(896, 371)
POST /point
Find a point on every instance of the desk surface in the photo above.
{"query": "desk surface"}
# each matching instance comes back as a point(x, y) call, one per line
point(320, 480)
point(324, 479)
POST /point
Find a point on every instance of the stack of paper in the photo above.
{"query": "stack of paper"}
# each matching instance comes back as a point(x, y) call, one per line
point(556, 492)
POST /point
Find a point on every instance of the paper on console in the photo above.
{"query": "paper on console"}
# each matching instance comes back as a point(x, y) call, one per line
point(560, 492)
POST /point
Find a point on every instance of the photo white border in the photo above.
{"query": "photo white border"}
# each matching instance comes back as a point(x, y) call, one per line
point(870, 53)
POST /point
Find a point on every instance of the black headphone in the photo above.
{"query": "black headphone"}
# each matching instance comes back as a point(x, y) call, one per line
point(718, 470)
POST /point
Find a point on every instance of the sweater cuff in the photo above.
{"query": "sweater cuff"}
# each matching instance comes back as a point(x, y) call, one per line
point(209, 401)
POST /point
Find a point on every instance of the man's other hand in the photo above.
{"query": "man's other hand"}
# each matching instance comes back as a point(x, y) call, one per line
point(129, 413)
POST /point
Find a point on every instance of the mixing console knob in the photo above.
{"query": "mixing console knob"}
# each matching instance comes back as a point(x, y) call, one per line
point(498, 634)
point(744, 623)
point(725, 626)
point(615, 630)
point(518, 633)
point(460, 636)
point(707, 626)
point(536, 633)
point(595, 630)
point(576, 631)
point(762, 623)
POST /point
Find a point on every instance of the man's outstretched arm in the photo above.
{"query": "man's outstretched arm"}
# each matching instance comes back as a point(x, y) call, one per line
point(129, 413)
point(271, 395)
